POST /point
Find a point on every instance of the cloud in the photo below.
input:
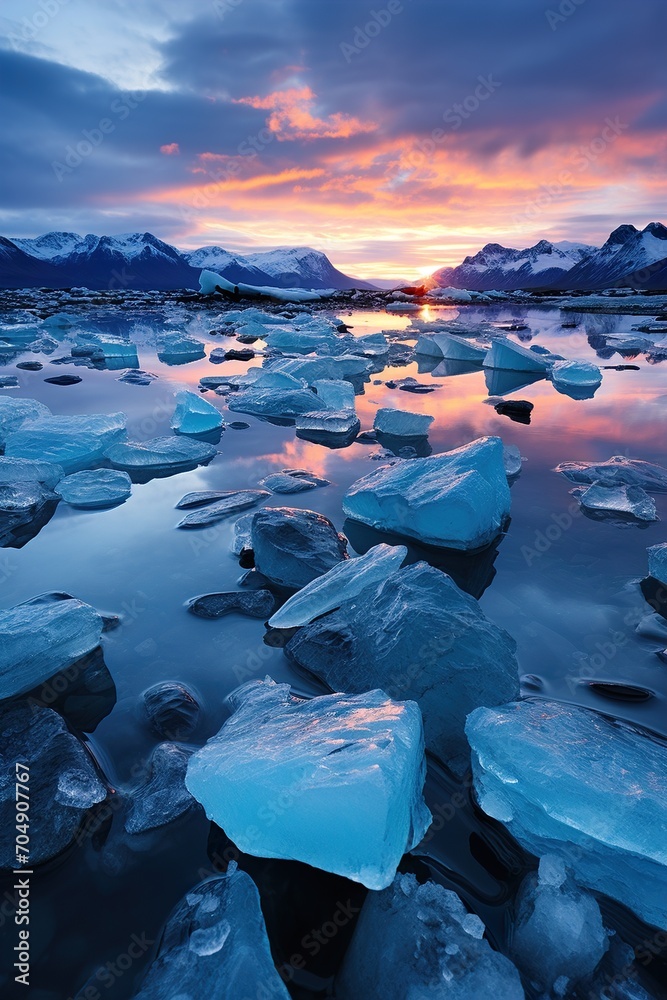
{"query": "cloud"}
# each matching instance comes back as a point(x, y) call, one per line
point(170, 149)
point(292, 117)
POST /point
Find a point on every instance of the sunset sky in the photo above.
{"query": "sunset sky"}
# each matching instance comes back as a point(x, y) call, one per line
point(396, 136)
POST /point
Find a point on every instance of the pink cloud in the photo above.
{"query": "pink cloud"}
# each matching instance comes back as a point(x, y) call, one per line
point(293, 116)
point(170, 149)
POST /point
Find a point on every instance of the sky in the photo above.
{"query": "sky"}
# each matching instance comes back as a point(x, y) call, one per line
point(396, 137)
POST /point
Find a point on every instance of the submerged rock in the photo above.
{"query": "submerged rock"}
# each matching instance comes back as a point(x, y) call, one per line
point(194, 414)
point(96, 488)
point(350, 763)
point(42, 636)
point(293, 546)
point(419, 941)
point(63, 783)
point(416, 635)
point(550, 908)
point(570, 782)
point(231, 503)
point(215, 946)
point(164, 797)
point(402, 423)
point(345, 581)
point(160, 454)
point(628, 502)
point(72, 442)
point(458, 500)
point(171, 709)
point(254, 603)
point(617, 471)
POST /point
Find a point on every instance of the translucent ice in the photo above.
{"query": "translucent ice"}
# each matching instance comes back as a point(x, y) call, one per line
point(62, 780)
point(94, 488)
point(172, 710)
point(657, 562)
point(418, 941)
point(402, 423)
point(74, 442)
point(292, 481)
point(512, 459)
point(508, 355)
point(294, 546)
point(631, 502)
point(215, 946)
point(15, 411)
point(459, 499)
point(25, 470)
point(417, 636)
point(42, 636)
point(335, 782)
point(231, 503)
point(194, 414)
point(576, 373)
point(178, 348)
point(550, 907)
point(345, 581)
point(328, 422)
point(163, 797)
point(160, 454)
point(450, 346)
point(617, 471)
point(570, 782)
point(314, 369)
point(273, 402)
point(25, 506)
point(334, 394)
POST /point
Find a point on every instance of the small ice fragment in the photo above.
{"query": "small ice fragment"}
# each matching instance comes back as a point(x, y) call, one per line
point(402, 423)
point(194, 414)
point(92, 489)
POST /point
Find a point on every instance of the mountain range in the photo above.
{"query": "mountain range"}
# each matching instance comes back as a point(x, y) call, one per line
point(629, 258)
point(142, 261)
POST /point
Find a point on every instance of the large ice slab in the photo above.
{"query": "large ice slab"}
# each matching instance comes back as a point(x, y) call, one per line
point(558, 938)
point(617, 471)
point(62, 781)
point(273, 402)
point(570, 782)
point(15, 411)
point(416, 635)
point(294, 546)
point(314, 369)
point(93, 488)
point(419, 941)
point(175, 348)
point(345, 581)
point(510, 356)
point(194, 414)
point(335, 782)
point(210, 282)
point(451, 347)
point(215, 946)
point(73, 442)
point(402, 423)
point(42, 636)
point(29, 470)
point(160, 454)
point(606, 501)
point(458, 500)
point(334, 394)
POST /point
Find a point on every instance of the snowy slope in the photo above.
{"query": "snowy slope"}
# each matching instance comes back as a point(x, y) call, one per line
point(302, 267)
point(504, 268)
point(628, 256)
point(50, 246)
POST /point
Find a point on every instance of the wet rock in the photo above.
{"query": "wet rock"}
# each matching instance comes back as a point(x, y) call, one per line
point(64, 379)
point(254, 603)
point(292, 546)
point(172, 710)
point(30, 366)
point(518, 410)
point(200, 498)
point(232, 503)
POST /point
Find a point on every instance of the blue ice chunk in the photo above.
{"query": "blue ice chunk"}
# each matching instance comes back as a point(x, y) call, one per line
point(194, 414)
point(335, 782)
point(334, 394)
point(16, 411)
point(74, 442)
point(160, 454)
point(95, 488)
point(570, 782)
point(42, 636)
point(401, 423)
point(657, 562)
point(293, 546)
point(458, 500)
point(215, 946)
point(419, 941)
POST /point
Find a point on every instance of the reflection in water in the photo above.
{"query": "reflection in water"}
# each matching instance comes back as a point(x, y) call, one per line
point(566, 587)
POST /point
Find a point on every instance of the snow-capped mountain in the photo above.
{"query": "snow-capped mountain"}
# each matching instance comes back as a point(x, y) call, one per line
point(142, 261)
point(630, 257)
point(503, 268)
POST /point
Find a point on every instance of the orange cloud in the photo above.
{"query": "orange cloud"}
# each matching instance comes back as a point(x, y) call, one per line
point(293, 117)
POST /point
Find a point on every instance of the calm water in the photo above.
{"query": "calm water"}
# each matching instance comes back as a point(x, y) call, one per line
point(565, 586)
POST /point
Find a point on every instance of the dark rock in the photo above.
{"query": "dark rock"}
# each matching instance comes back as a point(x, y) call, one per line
point(254, 603)
point(64, 379)
point(242, 355)
point(8, 382)
point(62, 780)
point(172, 710)
point(200, 499)
point(518, 410)
point(239, 425)
point(30, 366)
point(293, 547)
point(232, 503)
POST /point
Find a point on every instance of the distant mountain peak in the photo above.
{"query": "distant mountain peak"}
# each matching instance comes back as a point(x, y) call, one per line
point(621, 235)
